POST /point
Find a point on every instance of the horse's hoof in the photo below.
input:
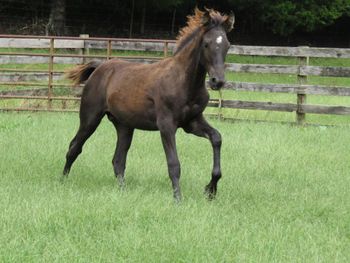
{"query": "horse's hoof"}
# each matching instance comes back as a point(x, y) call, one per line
point(177, 200)
point(122, 186)
point(63, 178)
point(121, 182)
point(66, 171)
point(210, 192)
point(177, 197)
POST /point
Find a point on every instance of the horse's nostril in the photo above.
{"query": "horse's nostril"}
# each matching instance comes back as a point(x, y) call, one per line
point(220, 84)
point(213, 80)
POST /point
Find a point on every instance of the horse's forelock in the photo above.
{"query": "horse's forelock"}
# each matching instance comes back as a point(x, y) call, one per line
point(217, 18)
point(195, 21)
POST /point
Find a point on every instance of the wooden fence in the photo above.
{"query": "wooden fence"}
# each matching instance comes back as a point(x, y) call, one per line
point(84, 44)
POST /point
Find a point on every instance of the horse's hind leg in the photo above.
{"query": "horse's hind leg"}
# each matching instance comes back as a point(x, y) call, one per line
point(125, 135)
point(90, 118)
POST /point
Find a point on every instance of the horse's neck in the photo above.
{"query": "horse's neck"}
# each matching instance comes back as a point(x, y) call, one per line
point(189, 58)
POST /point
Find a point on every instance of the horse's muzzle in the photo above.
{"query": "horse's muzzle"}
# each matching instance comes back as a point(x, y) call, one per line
point(215, 83)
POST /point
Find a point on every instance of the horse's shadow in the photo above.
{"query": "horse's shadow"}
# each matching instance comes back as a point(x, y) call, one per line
point(89, 180)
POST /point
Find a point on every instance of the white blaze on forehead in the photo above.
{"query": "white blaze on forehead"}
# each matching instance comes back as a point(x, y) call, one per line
point(219, 39)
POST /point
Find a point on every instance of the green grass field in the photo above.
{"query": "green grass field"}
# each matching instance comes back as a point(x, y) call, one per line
point(284, 195)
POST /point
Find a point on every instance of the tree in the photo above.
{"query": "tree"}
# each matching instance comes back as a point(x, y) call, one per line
point(285, 17)
point(56, 24)
point(154, 5)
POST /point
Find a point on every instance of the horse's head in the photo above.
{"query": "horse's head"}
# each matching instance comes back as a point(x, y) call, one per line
point(215, 45)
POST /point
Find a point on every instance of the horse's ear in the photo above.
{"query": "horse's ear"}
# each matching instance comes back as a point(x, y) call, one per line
point(229, 22)
point(206, 18)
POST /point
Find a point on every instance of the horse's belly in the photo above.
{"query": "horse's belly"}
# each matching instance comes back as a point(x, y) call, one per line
point(133, 112)
point(137, 123)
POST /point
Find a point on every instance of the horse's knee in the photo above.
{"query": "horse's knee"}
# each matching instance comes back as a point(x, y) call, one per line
point(216, 139)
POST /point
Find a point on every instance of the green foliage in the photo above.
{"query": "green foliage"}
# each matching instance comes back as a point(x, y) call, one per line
point(284, 17)
point(287, 16)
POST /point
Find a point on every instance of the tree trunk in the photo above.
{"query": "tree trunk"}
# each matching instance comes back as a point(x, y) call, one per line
point(143, 18)
point(56, 24)
point(173, 22)
point(132, 18)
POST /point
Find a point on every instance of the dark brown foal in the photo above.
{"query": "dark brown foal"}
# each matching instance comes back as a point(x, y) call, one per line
point(164, 96)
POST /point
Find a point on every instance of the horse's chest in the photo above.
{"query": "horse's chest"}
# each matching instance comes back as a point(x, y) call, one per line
point(191, 110)
point(195, 106)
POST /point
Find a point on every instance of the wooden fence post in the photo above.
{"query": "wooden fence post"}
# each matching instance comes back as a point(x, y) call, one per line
point(109, 49)
point(85, 50)
point(51, 57)
point(165, 50)
point(302, 80)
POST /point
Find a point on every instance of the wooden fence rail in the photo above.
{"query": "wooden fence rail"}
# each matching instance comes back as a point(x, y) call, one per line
point(59, 51)
point(290, 69)
point(284, 107)
point(13, 41)
point(302, 51)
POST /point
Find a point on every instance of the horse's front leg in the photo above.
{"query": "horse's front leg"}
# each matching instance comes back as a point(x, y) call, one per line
point(201, 128)
point(167, 130)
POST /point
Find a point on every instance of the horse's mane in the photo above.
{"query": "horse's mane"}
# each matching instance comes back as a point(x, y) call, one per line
point(194, 22)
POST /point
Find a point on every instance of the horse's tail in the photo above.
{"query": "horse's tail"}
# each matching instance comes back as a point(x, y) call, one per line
point(81, 73)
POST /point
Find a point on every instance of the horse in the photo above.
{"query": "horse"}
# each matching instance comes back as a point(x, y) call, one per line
point(164, 96)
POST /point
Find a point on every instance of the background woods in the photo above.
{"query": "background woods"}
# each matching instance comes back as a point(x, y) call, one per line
point(312, 22)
